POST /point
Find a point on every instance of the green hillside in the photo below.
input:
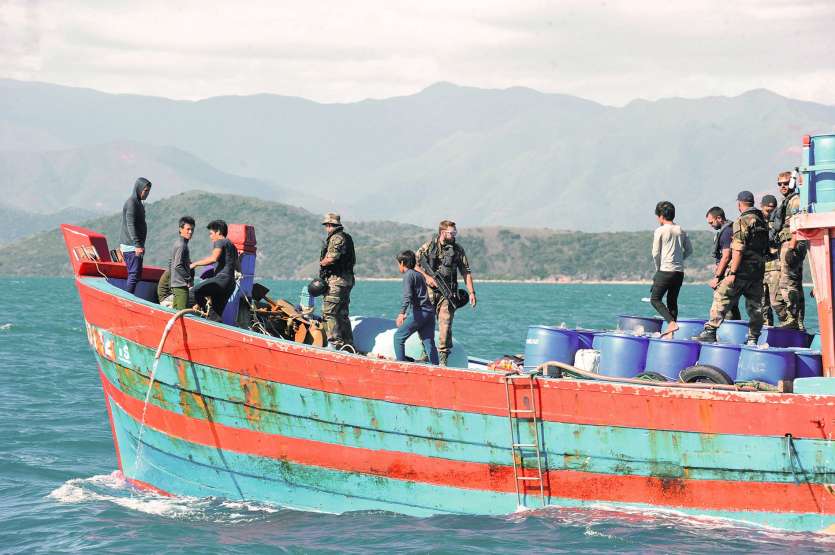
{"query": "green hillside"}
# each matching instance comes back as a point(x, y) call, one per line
point(289, 240)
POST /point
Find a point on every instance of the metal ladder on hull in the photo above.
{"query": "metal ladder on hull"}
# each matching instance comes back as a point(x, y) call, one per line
point(517, 448)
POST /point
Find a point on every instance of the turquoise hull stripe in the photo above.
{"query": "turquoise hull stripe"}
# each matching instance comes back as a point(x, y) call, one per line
point(379, 425)
point(187, 469)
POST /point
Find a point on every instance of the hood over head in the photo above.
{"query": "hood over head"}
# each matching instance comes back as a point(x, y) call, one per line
point(140, 184)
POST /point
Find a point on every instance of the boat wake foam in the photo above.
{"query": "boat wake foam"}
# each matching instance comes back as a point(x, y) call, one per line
point(113, 488)
point(5, 327)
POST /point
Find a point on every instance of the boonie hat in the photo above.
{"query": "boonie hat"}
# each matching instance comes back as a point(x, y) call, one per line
point(332, 218)
point(745, 196)
point(769, 200)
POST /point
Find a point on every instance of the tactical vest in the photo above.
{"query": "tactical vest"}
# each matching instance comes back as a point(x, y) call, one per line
point(344, 266)
point(444, 261)
point(758, 243)
point(717, 250)
point(780, 216)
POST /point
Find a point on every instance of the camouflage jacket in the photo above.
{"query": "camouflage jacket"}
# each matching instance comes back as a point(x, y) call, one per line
point(446, 260)
point(339, 246)
point(790, 207)
point(772, 259)
point(750, 235)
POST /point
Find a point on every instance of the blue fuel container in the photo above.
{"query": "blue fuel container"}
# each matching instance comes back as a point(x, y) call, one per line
point(808, 363)
point(722, 356)
point(621, 355)
point(818, 189)
point(689, 328)
point(587, 337)
point(546, 343)
point(766, 365)
point(669, 357)
point(640, 324)
point(734, 332)
point(782, 337)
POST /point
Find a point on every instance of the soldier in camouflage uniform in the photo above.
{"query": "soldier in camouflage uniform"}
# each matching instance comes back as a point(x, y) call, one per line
point(792, 254)
point(772, 299)
point(446, 259)
point(745, 277)
point(336, 268)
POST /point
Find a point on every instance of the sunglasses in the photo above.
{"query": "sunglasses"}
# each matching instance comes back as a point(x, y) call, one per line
point(783, 183)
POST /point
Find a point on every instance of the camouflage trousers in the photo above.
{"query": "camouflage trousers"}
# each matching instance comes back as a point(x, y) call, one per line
point(335, 310)
point(772, 299)
point(726, 295)
point(791, 283)
point(444, 314)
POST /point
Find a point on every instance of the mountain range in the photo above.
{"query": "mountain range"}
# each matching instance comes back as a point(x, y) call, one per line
point(513, 157)
point(290, 238)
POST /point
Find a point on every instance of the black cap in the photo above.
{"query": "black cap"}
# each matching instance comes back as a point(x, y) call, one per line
point(745, 196)
point(768, 200)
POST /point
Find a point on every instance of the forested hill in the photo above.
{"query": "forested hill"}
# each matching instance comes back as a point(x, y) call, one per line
point(289, 240)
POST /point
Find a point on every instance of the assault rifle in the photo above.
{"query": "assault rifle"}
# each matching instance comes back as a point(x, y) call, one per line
point(456, 298)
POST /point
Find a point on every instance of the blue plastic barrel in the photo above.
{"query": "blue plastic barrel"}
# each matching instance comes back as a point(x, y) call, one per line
point(818, 190)
point(720, 355)
point(546, 343)
point(689, 327)
point(621, 354)
point(586, 337)
point(669, 357)
point(783, 337)
point(766, 365)
point(734, 332)
point(640, 324)
point(808, 363)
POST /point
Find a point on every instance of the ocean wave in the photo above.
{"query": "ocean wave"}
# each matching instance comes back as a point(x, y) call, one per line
point(5, 327)
point(114, 488)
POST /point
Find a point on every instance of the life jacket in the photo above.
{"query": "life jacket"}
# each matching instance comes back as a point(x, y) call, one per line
point(443, 260)
point(717, 250)
point(345, 264)
point(758, 242)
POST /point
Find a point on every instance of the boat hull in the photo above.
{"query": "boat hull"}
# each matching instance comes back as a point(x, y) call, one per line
point(238, 415)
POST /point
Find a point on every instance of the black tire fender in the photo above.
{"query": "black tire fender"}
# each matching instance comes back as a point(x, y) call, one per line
point(705, 373)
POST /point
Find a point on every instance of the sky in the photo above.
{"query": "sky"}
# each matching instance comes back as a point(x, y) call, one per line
point(612, 51)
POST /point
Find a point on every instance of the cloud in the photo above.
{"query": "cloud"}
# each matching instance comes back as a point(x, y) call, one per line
point(611, 51)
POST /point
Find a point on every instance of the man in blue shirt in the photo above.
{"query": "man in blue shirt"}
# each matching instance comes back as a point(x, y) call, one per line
point(417, 313)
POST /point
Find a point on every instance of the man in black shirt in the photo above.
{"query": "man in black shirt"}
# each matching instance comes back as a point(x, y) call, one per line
point(722, 252)
point(224, 256)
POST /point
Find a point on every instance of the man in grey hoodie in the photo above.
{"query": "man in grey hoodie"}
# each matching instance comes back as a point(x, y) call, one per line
point(134, 232)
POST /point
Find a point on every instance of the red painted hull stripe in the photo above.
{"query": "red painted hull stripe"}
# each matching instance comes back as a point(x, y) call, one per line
point(569, 401)
point(704, 494)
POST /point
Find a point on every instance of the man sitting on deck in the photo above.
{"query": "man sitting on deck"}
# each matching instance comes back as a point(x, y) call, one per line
point(224, 255)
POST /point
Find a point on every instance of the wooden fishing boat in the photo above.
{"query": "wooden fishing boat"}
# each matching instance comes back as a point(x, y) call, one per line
point(237, 414)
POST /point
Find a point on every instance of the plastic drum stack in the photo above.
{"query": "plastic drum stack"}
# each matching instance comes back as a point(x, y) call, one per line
point(635, 348)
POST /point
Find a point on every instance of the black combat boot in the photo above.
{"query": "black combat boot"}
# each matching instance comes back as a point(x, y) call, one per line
point(708, 335)
point(790, 325)
point(751, 341)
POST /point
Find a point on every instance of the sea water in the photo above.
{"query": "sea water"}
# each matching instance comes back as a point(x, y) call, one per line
point(60, 490)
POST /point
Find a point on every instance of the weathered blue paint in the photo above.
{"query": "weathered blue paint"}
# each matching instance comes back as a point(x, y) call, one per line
point(371, 424)
point(195, 470)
